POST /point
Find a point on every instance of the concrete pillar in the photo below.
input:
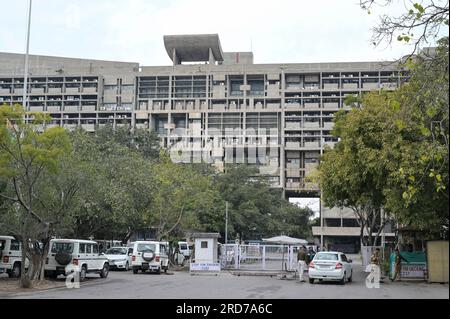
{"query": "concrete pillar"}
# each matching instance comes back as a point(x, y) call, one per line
point(211, 59)
point(175, 58)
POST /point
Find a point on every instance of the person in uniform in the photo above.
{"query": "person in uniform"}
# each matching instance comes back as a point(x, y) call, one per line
point(301, 260)
point(397, 264)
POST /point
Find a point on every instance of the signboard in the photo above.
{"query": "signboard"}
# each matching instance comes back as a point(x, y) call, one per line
point(413, 270)
point(204, 267)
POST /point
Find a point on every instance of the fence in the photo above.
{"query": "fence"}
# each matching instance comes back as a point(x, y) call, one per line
point(258, 257)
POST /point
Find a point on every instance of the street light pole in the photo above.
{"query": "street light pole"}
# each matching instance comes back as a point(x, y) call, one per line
point(25, 78)
point(226, 223)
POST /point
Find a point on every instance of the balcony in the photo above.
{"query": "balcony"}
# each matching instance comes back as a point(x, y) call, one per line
point(311, 105)
point(331, 105)
point(273, 106)
point(90, 108)
point(53, 108)
point(293, 126)
point(37, 90)
point(311, 124)
point(312, 145)
point(328, 125)
point(292, 173)
point(292, 144)
point(292, 106)
point(54, 90)
point(71, 108)
point(350, 86)
point(89, 90)
point(331, 86)
point(72, 90)
point(268, 170)
point(88, 127)
point(36, 108)
point(371, 86)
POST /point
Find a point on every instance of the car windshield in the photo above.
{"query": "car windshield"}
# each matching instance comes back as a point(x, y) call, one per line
point(2, 244)
point(62, 248)
point(326, 256)
point(145, 247)
point(116, 251)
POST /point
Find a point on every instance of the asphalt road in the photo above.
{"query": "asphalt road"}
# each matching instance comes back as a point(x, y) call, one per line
point(182, 285)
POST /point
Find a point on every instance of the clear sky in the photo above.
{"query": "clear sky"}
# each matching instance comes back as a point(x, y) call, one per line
point(132, 30)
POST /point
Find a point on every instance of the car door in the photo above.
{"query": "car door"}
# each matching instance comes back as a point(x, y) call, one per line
point(96, 257)
point(129, 255)
point(347, 266)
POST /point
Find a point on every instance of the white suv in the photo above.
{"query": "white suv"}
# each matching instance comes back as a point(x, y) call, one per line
point(149, 255)
point(10, 256)
point(82, 254)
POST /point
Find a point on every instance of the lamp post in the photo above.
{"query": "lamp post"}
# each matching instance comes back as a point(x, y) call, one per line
point(25, 77)
point(226, 223)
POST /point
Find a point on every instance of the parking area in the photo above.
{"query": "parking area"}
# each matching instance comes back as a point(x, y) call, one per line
point(182, 285)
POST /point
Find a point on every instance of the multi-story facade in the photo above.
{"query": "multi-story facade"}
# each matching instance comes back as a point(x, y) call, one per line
point(213, 105)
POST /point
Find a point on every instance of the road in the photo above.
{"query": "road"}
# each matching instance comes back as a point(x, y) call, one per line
point(182, 285)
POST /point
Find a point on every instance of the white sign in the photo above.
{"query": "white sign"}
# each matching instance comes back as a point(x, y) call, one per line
point(204, 267)
point(413, 270)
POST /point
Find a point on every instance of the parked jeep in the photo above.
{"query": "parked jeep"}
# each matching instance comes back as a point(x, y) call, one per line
point(84, 255)
point(10, 256)
point(149, 255)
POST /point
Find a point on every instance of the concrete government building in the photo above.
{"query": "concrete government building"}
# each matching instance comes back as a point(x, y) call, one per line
point(281, 112)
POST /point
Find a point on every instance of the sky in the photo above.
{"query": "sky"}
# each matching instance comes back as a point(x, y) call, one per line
point(283, 31)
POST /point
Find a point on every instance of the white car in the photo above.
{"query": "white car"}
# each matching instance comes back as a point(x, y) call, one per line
point(330, 265)
point(119, 257)
point(149, 255)
point(11, 256)
point(66, 255)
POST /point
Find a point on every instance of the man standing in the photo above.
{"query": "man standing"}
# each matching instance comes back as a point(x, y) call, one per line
point(301, 257)
point(397, 264)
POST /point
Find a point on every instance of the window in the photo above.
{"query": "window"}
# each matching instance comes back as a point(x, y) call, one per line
point(62, 247)
point(15, 245)
point(130, 251)
point(95, 249)
point(146, 247)
point(326, 256)
point(2, 244)
point(344, 258)
point(88, 249)
point(204, 244)
point(82, 248)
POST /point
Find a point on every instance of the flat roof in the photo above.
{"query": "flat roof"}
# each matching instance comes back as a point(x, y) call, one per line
point(193, 47)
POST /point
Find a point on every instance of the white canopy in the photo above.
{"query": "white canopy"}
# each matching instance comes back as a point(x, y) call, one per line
point(285, 240)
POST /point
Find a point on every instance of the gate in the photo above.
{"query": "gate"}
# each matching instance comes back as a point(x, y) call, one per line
point(258, 257)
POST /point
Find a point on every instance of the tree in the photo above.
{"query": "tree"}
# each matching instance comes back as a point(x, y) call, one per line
point(27, 155)
point(118, 186)
point(421, 24)
point(181, 198)
point(351, 175)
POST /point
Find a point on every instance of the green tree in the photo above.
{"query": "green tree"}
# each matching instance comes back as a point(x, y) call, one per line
point(28, 154)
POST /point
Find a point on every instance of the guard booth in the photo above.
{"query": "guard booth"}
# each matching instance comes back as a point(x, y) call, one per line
point(205, 254)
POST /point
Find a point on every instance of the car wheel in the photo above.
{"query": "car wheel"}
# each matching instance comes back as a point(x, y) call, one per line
point(16, 271)
point(342, 281)
point(311, 280)
point(135, 271)
point(105, 271)
point(350, 278)
point(158, 271)
point(127, 266)
point(83, 273)
point(165, 269)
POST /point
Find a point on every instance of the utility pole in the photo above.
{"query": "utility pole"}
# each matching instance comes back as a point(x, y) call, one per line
point(226, 223)
point(25, 78)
